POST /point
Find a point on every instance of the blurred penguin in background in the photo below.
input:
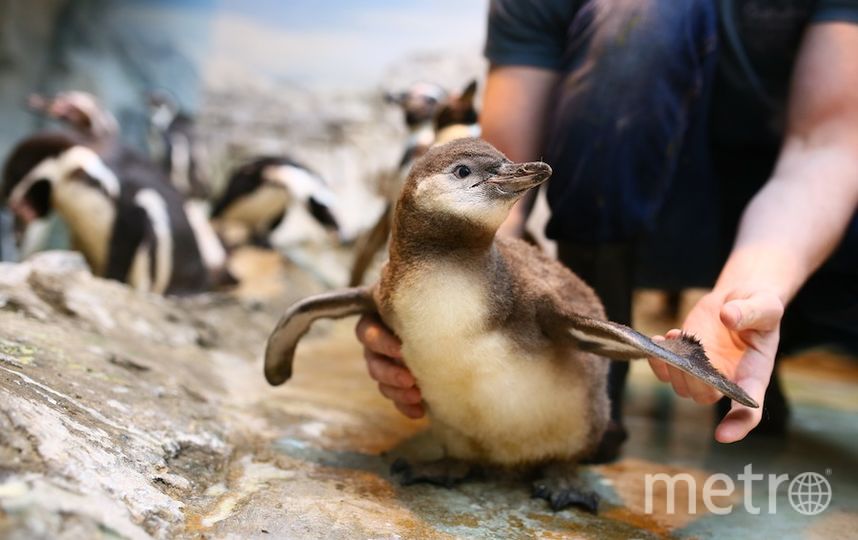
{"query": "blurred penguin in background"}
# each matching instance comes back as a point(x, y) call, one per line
point(275, 201)
point(430, 121)
point(458, 118)
point(174, 144)
point(81, 111)
point(128, 224)
point(96, 127)
point(92, 123)
point(419, 103)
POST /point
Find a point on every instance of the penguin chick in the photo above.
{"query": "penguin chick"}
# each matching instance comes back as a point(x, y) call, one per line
point(510, 348)
point(263, 191)
point(129, 225)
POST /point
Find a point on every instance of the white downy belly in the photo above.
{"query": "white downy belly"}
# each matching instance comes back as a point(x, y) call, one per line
point(489, 399)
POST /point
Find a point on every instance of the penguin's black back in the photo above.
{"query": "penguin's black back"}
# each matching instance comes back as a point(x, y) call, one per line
point(29, 153)
point(132, 226)
point(247, 178)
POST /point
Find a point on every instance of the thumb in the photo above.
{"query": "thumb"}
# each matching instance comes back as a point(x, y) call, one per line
point(741, 419)
point(761, 311)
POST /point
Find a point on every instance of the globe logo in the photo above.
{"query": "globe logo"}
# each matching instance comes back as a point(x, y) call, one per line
point(809, 493)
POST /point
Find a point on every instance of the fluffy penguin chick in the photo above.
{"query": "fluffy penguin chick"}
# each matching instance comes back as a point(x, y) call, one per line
point(509, 347)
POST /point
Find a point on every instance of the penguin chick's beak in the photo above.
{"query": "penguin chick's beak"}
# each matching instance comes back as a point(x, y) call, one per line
point(516, 178)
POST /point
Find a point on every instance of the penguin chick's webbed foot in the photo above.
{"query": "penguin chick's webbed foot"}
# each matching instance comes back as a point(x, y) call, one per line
point(445, 472)
point(561, 488)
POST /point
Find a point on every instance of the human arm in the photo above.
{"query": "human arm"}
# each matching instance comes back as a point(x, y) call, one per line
point(787, 231)
point(515, 110)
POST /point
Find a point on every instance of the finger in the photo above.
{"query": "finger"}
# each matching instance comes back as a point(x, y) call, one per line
point(678, 381)
point(375, 336)
point(673, 334)
point(761, 311)
point(697, 390)
point(383, 370)
point(411, 411)
point(701, 392)
point(660, 369)
point(366, 320)
point(406, 396)
point(741, 419)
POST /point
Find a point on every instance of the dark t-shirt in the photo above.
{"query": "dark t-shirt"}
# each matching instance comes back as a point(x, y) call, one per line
point(757, 52)
point(749, 108)
point(758, 44)
point(745, 115)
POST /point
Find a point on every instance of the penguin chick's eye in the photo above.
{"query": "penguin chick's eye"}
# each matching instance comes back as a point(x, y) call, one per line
point(462, 171)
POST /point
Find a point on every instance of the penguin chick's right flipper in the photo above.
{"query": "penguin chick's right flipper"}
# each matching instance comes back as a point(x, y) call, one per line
point(280, 350)
point(369, 245)
point(620, 342)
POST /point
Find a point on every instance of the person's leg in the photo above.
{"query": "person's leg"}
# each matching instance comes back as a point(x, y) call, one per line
point(609, 270)
point(627, 110)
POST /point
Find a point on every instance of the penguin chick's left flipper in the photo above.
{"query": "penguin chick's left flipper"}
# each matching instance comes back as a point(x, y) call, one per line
point(280, 350)
point(619, 342)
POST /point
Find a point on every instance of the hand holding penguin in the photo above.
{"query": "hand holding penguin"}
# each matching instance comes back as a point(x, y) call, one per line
point(383, 354)
point(504, 341)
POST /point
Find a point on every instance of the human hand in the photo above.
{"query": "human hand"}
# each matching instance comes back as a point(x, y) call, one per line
point(740, 331)
point(383, 353)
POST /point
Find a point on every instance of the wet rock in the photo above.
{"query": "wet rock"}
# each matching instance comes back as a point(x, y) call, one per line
point(97, 432)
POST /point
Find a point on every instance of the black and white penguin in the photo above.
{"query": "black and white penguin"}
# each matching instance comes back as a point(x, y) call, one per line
point(174, 144)
point(96, 126)
point(420, 103)
point(458, 118)
point(129, 224)
point(262, 193)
